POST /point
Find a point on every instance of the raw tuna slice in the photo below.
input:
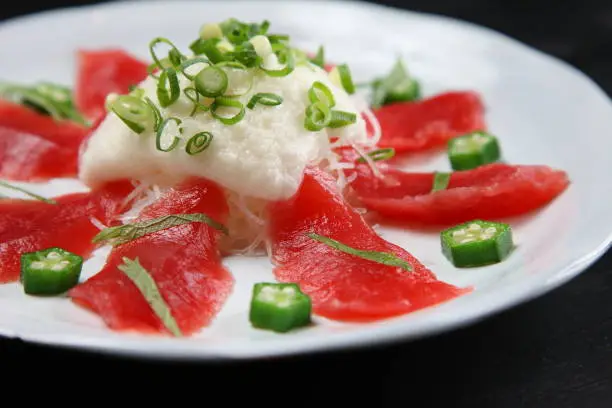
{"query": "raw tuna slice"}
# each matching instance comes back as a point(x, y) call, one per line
point(63, 133)
point(430, 123)
point(27, 225)
point(101, 72)
point(27, 157)
point(183, 260)
point(488, 192)
point(342, 286)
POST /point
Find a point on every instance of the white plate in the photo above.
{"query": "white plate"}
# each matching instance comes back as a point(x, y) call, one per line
point(544, 111)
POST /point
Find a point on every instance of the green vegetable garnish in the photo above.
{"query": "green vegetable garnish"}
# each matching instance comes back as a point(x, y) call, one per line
point(134, 112)
point(319, 58)
point(198, 143)
point(473, 150)
point(26, 192)
point(384, 258)
point(121, 234)
point(267, 99)
point(345, 78)
point(341, 119)
point(319, 92)
point(145, 283)
point(477, 243)
point(228, 103)
point(279, 307)
point(440, 181)
point(160, 134)
point(191, 62)
point(379, 154)
point(286, 57)
point(174, 59)
point(395, 87)
point(168, 79)
point(51, 271)
point(194, 96)
point(211, 82)
point(47, 98)
point(318, 116)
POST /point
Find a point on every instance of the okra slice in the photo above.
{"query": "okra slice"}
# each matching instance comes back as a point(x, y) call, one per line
point(50, 272)
point(279, 307)
point(473, 150)
point(477, 243)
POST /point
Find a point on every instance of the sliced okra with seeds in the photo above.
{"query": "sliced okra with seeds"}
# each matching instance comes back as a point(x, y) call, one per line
point(279, 307)
point(473, 150)
point(477, 243)
point(50, 272)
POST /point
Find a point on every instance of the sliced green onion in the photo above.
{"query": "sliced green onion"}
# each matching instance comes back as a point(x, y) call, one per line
point(145, 283)
point(379, 154)
point(320, 92)
point(289, 62)
point(263, 98)
point(228, 103)
point(175, 57)
point(193, 95)
point(319, 58)
point(263, 28)
point(440, 181)
point(278, 38)
point(235, 31)
point(318, 116)
point(346, 79)
point(134, 112)
point(245, 54)
point(157, 117)
point(198, 143)
point(211, 82)
point(122, 234)
point(137, 92)
point(197, 60)
point(384, 258)
point(341, 118)
point(168, 78)
point(209, 48)
point(160, 133)
point(26, 192)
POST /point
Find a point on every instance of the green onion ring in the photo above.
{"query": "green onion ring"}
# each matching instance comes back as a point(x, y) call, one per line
point(264, 98)
point(173, 54)
point(160, 132)
point(229, 103)
point(193, 95)
point(323, 89)
point(286, 70)
point(156, 113)
point(341, 118)
point(198, 143)
point(169, 78)
point(318, 116)
point(135, 113)
point(186, 64)
point(211, 81)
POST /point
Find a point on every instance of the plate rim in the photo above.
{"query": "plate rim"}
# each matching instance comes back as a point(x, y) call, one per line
point(521, 292)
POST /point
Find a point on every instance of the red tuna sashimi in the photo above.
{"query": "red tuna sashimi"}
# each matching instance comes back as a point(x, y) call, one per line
point(27, 225)
point(345, 287)
point(101, 72)
point(64, 133)
point(432, 122)
point(27, 157)
point(488, 192)
point(183, 260)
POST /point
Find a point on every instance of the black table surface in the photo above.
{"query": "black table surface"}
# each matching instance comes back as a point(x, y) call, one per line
point(554, 351)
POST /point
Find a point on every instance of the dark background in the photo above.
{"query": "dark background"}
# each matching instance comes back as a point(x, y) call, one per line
point(555, 351)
